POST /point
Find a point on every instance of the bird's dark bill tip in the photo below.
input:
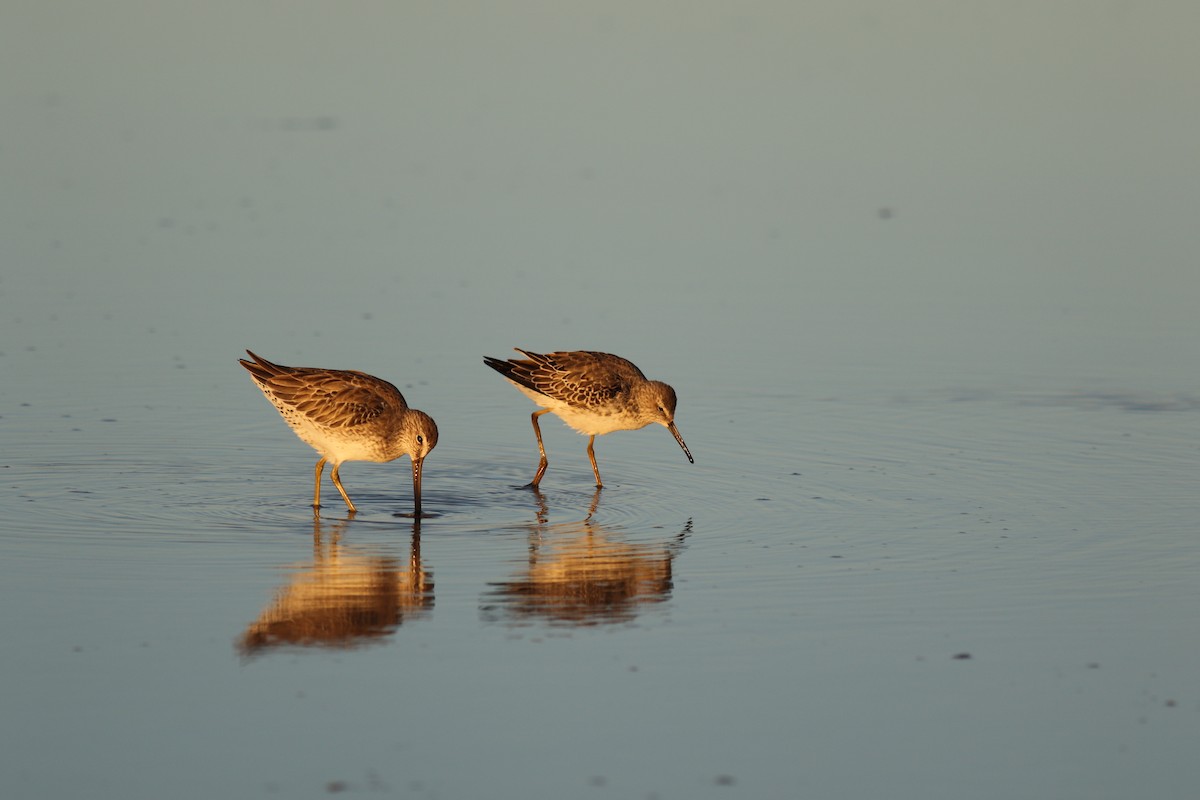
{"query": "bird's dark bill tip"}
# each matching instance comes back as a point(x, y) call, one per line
point(415, 515)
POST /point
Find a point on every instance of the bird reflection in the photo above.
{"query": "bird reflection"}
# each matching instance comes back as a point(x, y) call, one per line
point(345, 599)
point(583, 574)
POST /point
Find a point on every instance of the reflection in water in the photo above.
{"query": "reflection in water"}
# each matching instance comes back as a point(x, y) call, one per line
point(346, 599)
point(580, 573)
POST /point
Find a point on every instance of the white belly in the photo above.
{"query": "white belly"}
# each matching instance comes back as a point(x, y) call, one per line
point(588, 421)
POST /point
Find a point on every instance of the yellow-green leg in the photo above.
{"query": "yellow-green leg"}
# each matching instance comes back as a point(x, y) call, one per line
point(317, 484)
point(542, 463)
point(338, 483)
point(592, 456)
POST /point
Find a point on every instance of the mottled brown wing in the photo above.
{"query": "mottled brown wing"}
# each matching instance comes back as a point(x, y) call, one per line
point(580, 377)
point(330, 397)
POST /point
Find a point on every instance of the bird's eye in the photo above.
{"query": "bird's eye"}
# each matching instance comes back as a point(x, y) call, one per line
point(420, 439)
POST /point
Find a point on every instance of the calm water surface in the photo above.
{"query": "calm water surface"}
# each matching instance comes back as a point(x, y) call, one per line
point(936, 353)
point(844, 593)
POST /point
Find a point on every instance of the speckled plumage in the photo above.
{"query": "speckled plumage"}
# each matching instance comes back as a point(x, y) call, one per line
point(346, 415)
point(593, 393)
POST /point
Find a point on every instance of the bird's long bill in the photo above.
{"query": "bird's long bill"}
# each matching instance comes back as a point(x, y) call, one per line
point(416, 466)
point(675, 432)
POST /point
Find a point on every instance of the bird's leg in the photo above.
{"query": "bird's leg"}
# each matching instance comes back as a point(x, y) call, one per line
point(542, 462)
point(592, 456)
point(317, 484)
point(338, 483)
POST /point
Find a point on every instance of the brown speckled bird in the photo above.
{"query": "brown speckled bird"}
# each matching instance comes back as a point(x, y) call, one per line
point(593, 393)
point(346, 415)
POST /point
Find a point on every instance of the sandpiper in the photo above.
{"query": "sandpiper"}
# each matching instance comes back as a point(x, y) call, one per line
point(346, 415)
point(594, 393)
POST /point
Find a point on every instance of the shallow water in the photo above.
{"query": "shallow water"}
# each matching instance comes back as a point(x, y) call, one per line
point(940, 536)
point(946, 587)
